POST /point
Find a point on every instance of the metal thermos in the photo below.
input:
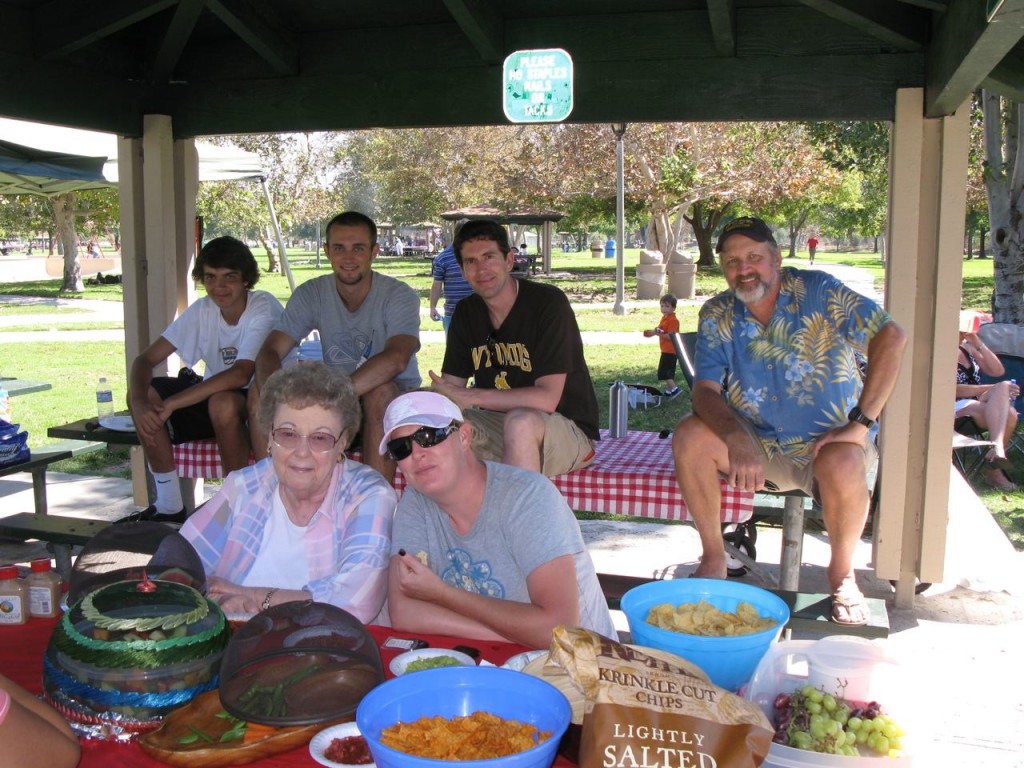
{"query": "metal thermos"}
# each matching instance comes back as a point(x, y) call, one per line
point(618, 409)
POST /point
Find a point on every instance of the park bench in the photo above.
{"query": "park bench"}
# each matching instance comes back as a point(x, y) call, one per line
point(61, 532)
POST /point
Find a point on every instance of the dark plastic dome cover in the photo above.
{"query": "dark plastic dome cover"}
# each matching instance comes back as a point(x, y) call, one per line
point(299, 663)
point(122, 552)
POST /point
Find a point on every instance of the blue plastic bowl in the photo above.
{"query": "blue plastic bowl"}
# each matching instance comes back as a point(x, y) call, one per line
point(728, 661)
point(453, 691)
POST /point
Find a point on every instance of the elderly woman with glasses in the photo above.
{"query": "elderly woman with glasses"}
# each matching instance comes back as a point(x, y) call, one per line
point(481, 550)
point(304, 523)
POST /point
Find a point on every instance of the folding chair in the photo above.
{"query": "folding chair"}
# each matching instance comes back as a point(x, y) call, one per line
point(969, 447)
point(686, 345)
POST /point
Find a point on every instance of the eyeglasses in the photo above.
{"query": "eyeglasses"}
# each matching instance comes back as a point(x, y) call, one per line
point(290, 440)
point(425, 437)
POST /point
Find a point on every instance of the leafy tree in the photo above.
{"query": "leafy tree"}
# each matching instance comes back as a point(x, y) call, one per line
point(302, 178)
point(862, 146)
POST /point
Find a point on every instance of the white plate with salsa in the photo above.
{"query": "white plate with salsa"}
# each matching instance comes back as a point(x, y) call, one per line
point(344, 739)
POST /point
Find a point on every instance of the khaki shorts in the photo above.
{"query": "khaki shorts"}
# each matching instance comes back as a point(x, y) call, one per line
point(565, 446)
point(786, 474)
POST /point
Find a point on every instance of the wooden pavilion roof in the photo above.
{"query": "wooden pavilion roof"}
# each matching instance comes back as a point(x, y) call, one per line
point(241, 66)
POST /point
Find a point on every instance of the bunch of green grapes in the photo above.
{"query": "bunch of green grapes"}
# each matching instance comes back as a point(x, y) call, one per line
point(817, 721)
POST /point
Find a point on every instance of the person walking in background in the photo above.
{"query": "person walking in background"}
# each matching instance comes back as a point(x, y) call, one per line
point(449, 281)
point(779, 397)
point(812, 246)
point(667, 363)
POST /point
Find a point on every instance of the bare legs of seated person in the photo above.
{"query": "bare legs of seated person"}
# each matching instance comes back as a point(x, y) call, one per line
point(702, 458)
point(993, 412)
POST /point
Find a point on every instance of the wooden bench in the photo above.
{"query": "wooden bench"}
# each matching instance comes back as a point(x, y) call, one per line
point(809, 613)
point(60, 531)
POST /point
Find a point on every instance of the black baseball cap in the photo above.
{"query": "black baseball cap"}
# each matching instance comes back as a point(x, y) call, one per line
point(748, 226)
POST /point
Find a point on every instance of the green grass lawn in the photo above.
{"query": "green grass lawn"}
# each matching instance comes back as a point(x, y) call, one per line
point(73, 368)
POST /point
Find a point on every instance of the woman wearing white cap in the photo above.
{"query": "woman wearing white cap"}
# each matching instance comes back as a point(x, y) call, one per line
point(479, 549)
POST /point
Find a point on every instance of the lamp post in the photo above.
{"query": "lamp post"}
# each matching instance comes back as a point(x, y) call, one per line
point(619, 129)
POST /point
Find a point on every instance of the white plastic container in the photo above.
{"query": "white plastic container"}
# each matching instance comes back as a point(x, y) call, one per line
point(851, 667)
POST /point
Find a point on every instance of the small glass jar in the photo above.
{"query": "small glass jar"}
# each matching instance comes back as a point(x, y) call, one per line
point(13, 596)
point(43, 590)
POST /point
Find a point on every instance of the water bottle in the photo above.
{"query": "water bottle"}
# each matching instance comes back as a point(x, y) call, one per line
point(618, 409)
point(5, 406)
point(104, 400)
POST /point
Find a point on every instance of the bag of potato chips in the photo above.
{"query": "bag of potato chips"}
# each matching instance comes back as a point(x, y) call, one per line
point(643, 711)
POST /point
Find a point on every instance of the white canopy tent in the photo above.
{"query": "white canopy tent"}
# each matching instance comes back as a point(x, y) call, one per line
point(72, 145)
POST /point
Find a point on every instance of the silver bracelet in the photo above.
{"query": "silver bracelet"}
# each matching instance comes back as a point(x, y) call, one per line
point(266, 600)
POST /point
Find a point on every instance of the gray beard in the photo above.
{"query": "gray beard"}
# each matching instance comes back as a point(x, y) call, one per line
point(752, 294)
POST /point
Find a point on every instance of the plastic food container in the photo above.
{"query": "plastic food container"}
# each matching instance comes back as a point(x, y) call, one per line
point(502, 692)
point(851, 667)
point(728, 661)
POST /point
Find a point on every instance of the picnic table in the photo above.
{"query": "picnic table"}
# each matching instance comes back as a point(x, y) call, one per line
point(16, 387)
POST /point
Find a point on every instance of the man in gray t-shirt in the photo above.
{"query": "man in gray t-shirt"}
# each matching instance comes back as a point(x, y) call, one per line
point(368, 324)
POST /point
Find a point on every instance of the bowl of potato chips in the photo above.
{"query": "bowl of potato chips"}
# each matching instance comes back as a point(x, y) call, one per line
point(479, 716)
point(724, 627)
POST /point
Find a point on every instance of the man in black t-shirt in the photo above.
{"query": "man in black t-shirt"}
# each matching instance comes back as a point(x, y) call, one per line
point(532, 403)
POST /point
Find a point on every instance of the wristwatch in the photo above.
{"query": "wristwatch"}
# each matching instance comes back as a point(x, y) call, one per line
point(857, 415)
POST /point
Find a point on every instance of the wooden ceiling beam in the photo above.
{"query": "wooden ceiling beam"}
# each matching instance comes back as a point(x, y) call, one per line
point(258, 34)
point(965, 49)
point(68, 25)
point(168, 53)
point(931, 5)
point(722, 15)
point(482, 26)
point(1007, 79)
point(755, 88)
point(903, 28)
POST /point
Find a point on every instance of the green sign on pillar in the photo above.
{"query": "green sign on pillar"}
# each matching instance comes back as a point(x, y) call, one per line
point(538, 86)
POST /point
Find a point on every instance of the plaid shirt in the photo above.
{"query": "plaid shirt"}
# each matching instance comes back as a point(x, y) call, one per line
point(347, 543)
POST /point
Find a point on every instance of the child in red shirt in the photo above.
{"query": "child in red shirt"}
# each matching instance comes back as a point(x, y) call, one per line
point(667, 363)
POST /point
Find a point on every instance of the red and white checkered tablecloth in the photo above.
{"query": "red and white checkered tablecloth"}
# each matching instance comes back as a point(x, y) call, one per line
point(633, 475)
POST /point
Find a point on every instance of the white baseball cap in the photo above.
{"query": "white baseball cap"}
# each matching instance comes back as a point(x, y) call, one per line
point(422, 409)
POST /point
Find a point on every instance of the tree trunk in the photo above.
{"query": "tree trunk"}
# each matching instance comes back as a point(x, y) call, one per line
point(704, 221)
point(981, 244)
point(1004, 183)
point(969, 245)
point(64, 218)
point(660, 234)
point(273, 264)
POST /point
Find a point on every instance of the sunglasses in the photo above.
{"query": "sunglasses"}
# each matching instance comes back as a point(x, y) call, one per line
point(425, 437)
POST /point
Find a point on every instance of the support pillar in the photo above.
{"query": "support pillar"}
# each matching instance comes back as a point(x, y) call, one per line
point(927, 202)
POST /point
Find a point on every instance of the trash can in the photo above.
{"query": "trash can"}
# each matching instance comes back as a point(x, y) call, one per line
point(650, 275)
point(609, 249)
point(596, 247)
point(681, 272)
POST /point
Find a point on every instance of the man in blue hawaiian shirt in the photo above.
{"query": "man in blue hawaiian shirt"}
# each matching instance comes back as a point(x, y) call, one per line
point(778, 397)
